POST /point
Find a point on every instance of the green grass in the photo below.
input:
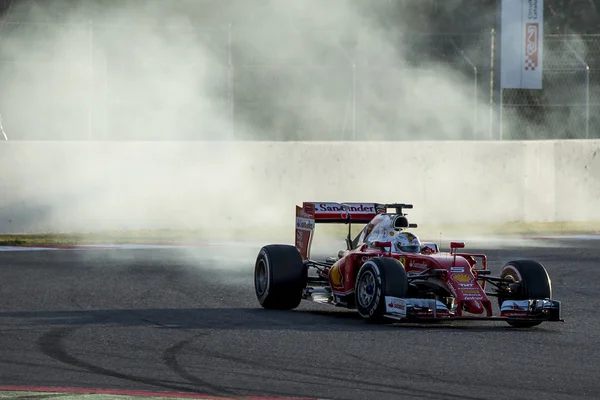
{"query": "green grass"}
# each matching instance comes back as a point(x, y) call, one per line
point(281, 234)
point(108, 237)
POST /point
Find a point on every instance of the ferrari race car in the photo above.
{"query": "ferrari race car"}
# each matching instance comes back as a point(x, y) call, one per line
point(387, 273)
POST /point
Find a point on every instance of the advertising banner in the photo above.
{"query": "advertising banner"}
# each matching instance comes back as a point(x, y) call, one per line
point(522, 34)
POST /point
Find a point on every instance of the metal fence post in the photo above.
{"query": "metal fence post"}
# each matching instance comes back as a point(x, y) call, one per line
point(587, 101)
point(475, 87)
point(230, 88)
point(587, 87)
point(492, 81)
point(91, 75)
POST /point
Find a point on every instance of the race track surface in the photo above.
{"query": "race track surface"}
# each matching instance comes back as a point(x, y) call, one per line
point(187, 320)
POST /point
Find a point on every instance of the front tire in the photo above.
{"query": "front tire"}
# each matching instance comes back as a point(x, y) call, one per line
point(531, 281)
point(377, 278)
point(279, 277)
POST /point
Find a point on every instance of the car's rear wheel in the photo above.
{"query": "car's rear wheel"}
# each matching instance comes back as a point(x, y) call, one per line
point(279, 277)
point(530, 281)
point(377, 278)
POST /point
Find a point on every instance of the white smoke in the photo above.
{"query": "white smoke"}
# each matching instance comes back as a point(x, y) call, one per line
point(160, 81)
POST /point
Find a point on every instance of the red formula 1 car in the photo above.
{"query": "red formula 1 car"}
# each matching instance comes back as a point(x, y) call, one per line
point(386, 272)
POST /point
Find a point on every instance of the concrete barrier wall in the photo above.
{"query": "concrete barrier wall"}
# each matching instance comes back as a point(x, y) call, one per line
point(54, 186)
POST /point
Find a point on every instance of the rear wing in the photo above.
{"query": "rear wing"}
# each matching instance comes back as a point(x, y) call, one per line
point(346, 212)
point(312, 213)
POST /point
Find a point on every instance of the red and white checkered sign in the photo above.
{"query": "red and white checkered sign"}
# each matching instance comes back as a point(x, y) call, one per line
point(531, 46)
point(522, 44)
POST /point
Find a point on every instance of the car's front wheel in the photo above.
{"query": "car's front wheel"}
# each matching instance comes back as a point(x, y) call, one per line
point(530, 281)
point(377, 278)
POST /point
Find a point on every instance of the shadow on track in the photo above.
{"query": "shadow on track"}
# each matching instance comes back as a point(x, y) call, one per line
point(243, 319)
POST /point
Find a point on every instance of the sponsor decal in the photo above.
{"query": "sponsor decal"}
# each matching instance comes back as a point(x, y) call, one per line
point(462, 278)
point(513, 314)
point(353, 208)
point(531, 46)
point(335, 276)
point(470, 291)
point(418, 264)
point(307, 212)
point(457, 269)
point(304, 214)
point(473, 297)
point(305, 224)
point(402, 260)
point(395, 305)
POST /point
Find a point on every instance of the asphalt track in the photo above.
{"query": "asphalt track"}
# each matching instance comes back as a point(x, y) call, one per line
point(187, 320)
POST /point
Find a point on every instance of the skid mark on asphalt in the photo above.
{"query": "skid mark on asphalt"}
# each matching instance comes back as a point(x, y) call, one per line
point(34, 365)
point(170, 359)
point(51, 344)
point(345, 380)
point(410, 373)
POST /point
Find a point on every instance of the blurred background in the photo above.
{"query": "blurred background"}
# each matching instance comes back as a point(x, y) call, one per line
point(107, 70)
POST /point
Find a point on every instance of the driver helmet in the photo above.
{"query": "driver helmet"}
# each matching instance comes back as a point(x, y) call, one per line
point(407, 242)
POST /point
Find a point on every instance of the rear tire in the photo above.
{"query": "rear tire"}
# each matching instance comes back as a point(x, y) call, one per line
point(377, 278)
point(531, 281)
point(279, 277)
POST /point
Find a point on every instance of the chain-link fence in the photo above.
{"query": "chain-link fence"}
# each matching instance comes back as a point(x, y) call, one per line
point(568, 105)
point(134, 82)
point(83, 81)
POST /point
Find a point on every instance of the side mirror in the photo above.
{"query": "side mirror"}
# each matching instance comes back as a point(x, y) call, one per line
point(432, 246)
point(456, 245)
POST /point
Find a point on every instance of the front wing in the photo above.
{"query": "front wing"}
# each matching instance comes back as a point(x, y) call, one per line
point(416, 309)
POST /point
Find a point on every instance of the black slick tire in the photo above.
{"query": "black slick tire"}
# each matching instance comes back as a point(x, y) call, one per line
point(279, 277)
point(531, 281)
point(387, 277)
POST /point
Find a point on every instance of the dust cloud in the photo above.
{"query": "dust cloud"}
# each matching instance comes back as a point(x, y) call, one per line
point(155, 141)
